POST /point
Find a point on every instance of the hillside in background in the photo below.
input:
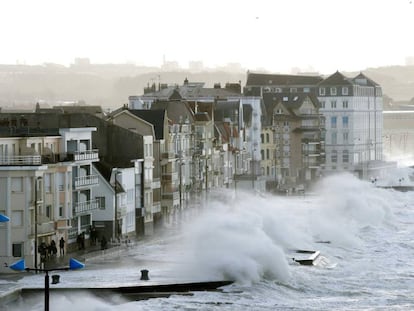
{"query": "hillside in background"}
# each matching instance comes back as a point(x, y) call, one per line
point(110, 85)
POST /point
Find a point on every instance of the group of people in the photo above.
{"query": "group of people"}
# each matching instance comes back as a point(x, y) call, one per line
point(49, 251)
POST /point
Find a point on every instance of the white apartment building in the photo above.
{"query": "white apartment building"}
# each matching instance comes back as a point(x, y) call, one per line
point(45, 186)
point(353, 112)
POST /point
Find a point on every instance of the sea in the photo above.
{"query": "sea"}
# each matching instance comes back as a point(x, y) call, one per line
point(363, 231)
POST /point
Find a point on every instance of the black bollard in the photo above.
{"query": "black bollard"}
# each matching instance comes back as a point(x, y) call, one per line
point(55, 279)
point(144, 275)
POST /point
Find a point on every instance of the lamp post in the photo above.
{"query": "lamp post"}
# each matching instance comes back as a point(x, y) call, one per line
point(35, 220)
point(21, 266)
point(116, 236)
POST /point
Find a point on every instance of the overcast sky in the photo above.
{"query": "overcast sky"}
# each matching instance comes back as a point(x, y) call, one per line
point(318, 35)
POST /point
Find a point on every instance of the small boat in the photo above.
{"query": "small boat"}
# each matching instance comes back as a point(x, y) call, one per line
point(306, 257)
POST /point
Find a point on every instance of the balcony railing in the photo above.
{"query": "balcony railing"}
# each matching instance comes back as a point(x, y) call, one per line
point(84, 207)
point(91, 155)
point(21, 160)
point(156, 207)
point(86, 181)
point(171, 196)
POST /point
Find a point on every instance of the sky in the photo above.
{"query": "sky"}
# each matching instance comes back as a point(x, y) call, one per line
point(275, 35)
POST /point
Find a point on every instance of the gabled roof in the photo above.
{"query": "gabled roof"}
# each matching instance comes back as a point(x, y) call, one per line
point(226, 131)
point(177, 111)
point(362, 79)
point(155, 117)
point(290, 101)
point(336, 79)
point(280, 79)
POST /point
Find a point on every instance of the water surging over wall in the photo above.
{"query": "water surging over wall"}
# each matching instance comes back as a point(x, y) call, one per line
point(248, 238)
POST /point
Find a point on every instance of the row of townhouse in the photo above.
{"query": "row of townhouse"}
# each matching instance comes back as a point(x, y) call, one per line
point(148, 163)
point(268, 140)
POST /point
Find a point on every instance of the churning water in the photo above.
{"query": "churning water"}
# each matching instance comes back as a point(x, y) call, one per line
point(367, 264)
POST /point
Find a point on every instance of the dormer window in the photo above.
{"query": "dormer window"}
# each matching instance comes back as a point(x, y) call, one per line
point(344, 90)
point(333, 90)
point(322, 91)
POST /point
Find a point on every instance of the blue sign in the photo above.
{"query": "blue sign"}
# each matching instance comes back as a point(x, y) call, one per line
point(18, 265)
point(74, 264)
point(4, 218)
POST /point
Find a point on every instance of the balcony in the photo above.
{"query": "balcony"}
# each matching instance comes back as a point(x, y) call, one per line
point(21, 160)
point(85, 207)
point(156, 207)
point(175, 196)
point(170, 176)
point(44, 228)
point(86, 181)
point(87, 155)
point(156, 183)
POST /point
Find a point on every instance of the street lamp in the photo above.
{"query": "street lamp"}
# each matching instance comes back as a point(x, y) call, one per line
point(35, 220)
point(21, 266)
point(116, 236)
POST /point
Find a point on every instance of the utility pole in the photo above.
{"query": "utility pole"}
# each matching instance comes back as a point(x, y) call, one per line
point(37, 179)
point(116, 236)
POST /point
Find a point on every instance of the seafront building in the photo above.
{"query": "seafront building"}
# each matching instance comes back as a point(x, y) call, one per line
point(47, 184)
point(352, 108)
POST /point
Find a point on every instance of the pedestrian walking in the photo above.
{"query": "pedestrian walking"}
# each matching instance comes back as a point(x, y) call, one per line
point(62, 246)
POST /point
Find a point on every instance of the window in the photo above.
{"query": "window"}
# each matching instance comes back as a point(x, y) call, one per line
point(306, 90)
point(345, 122)
point(334, 156)
point(101, 202)
point(17, 249)
point(17, 184)
point(334, 138)
point(85, 220)
point(130, 195)
point(267, 137)
point(322, 104)
point(333, 122)
point(262, 138)
point(293, 90)
point(47, 182)
point(267, 154)
point(333, 90)
point(344, 90)
point(345, 156)
point(17, 218)
point(48, 211)
point(322, 91)
point(345, 104)
point(345, 137)
point(262, 154)
point(333, 104)
point(60, 211)
point(61, 181)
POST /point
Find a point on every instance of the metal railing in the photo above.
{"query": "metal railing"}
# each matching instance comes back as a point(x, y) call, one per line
point(85, 181)
point(21, 160)
point(84, 207)
point(86, 155)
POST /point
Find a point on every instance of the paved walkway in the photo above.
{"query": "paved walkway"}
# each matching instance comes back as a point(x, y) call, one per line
point(83, 254)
